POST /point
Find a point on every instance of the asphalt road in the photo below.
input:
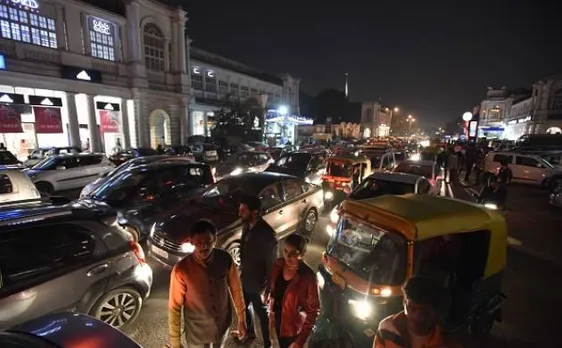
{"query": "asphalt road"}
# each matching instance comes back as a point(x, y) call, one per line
point(532, 279)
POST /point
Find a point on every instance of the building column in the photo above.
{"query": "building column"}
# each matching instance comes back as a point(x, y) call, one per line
point(125, 124)
point(184, 122)
point(181, 43)
point(73, 126)
point(61, 35)
point(168, 63)
point(95, 137)
point(134, 32)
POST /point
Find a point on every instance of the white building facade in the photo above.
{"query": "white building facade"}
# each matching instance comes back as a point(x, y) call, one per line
point(217, 81)
point(547, 116)
point(75, 74)
point(519, 119)
point(375, 121)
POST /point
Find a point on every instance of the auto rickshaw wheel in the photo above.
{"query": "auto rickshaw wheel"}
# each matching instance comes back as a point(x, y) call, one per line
point(481, 324)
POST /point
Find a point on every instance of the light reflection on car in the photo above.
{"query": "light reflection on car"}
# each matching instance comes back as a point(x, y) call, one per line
point(243, 162)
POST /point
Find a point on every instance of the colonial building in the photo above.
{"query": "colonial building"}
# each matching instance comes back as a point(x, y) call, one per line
point(375, 120)
point(218, 81)
point(519, 119)
point(547, 116)
point(88, 76)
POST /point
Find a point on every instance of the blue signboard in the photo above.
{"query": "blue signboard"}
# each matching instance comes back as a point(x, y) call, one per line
point(2, 62)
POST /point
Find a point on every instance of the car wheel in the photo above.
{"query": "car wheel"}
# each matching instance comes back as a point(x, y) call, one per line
point(310, 220)
point(118, 308)
point(234, 251)
point(133, 232)
point(44, 187)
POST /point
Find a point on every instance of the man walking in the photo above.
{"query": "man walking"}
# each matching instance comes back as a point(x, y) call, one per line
point(258, 252)
point(199, 286)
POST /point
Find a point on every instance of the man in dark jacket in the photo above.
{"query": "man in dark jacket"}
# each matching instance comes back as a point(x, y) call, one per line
point(258, 251)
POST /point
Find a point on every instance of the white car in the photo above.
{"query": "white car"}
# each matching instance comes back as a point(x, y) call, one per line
point(526, 168)
point(67, 172)
point(15, 187)
point(429, 169)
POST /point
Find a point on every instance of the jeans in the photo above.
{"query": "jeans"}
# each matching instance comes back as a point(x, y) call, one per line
point(261, 311)
point(284, 342)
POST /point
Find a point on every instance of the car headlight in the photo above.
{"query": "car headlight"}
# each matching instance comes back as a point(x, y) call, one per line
point(187, 248)
point(334, 215)
point(152, 230)
point(361, 308)
point(321, 281)
point(236, 171)
point(328, 195)
point(491, 206)
point(415, 157)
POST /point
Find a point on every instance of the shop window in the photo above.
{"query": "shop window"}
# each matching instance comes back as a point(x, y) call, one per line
point(154, 47)
point(22, 25)
point(102, 41)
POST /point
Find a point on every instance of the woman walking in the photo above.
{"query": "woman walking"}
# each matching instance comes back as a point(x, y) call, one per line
point(294, 304)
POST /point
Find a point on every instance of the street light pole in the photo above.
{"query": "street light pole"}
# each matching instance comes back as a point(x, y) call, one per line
point(410, 120)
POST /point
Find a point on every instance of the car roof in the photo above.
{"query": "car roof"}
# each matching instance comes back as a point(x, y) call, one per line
point(164, 165)
point(265, 178)
point(404, 178)
point(89, 154)
point(419, 163)
point(424, 216)
point(21, 217)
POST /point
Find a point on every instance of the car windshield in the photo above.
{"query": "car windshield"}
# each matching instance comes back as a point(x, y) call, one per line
point(546, 163)
point(226, 194)
point(339, 169)
point(373, 253)
point(371, 188)
point(416, 169)
point(46, 164)
point(6, 157)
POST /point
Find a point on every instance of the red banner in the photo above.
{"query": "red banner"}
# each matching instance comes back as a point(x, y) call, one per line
point(10, 119)
point(47, 120)
point(109, 121)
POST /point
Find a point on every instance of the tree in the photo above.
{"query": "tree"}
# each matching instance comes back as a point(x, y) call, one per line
point(237, 121)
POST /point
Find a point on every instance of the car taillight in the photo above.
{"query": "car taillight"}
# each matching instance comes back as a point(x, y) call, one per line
point(139, 253)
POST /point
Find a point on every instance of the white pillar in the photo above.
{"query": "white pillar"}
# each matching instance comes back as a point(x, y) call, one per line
point(73, 126)
point(181, 43)
point(95, 137)
point(184, 121)
point(134, 32)
point(61, 35)
point(167, 59)
point(125, 124)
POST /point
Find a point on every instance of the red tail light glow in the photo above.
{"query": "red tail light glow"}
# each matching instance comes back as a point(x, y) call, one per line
point(139, 253)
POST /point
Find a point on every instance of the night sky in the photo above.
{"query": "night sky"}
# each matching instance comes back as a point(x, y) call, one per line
point(434, 59)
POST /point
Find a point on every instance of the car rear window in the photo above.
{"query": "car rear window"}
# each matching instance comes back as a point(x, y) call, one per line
point(5, 184)
point(6, 157)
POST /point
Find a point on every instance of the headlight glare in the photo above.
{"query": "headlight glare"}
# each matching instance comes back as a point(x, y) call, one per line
point(334, 215)
point(321, 281)
point(236, 171)
point(187, 248)
point(361, 308)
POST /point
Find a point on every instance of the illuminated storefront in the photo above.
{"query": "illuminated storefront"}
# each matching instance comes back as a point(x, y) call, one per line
point(283, 128)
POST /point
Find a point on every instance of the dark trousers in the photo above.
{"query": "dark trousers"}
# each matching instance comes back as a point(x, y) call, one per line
point(284, 342)
point(261, 311)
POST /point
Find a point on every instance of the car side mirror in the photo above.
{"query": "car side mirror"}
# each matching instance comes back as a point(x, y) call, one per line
point(61, 167)
point(29, 157)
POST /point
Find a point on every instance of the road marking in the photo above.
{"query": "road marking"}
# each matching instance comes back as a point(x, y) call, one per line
point(514, 242)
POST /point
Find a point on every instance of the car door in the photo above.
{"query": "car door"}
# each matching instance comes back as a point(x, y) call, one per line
point(496, 160)
point(45, 269)
point(69, 173)
point(271, 203)
point(294, 205)
point(529, 170)
point(91, 167)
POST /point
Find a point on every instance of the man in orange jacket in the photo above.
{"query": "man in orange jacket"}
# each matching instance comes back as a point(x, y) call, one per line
point(416, 326)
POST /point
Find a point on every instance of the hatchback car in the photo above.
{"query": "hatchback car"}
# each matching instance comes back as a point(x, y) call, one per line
point(9, 161)
point(41, 153)
point(288, 204)
point(428, 169)
point(15, 186)
point(67, 172)
point(309, 166)
point(55, 259)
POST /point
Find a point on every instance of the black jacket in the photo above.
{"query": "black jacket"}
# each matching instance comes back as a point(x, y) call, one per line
point(258, 251)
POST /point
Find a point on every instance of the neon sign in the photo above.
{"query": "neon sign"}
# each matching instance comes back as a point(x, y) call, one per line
point(33, 4)
point(101, 27)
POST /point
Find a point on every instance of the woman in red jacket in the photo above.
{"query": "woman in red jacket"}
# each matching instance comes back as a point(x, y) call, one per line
point(294, 304)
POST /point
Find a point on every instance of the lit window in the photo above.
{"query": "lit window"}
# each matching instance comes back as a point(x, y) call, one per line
point(23, 25)
point(153, 47)
point(101, 39)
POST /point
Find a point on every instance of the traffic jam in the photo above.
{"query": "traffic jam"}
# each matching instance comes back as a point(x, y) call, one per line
point(80, 232)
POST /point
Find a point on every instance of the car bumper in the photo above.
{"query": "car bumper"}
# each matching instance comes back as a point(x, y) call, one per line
point(165, 257)
point(144, 277)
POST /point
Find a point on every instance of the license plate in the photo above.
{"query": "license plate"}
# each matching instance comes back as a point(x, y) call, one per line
point(211, 153)
point(159, 252)
point(339, 281)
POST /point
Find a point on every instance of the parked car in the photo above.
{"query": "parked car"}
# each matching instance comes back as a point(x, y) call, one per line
point(142, 193)
point(288, 204)
point(65, 330)
point(307, 166)
point(125, 155)
point(428, 169)
point(67, 172)
point(128, 165)
point(382, 158)
point(556, 197)
point(526, 168)
point(9, 161)
point(205, 152)
point(257, 146)
point(54, 259)
point(41, 153)
point(242, 163)
point(15, 186)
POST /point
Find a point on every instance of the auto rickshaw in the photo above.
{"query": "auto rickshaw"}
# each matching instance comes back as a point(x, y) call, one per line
point(378, 243)
point(343, 173)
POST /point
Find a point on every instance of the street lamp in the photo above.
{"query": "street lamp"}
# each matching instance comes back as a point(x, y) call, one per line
point(467, 116)
point(410, 120)
point(283, 110)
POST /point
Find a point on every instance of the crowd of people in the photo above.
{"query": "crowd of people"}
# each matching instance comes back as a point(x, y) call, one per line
point(282, 291)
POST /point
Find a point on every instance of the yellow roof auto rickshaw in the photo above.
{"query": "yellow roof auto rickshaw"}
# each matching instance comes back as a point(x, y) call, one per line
point(343, 173)
point(379, 243)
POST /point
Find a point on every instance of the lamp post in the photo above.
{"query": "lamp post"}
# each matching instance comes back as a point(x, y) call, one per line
point(466, 117)
point(410, 119)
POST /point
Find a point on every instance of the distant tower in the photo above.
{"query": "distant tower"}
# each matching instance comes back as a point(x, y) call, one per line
point(346, 87)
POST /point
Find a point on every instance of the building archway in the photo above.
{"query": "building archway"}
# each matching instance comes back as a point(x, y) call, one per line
point(160, 128)
point(554, 130)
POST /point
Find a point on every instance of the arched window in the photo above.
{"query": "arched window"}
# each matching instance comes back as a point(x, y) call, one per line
point(24, 23)
point(557, 100)
point(153, 47)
